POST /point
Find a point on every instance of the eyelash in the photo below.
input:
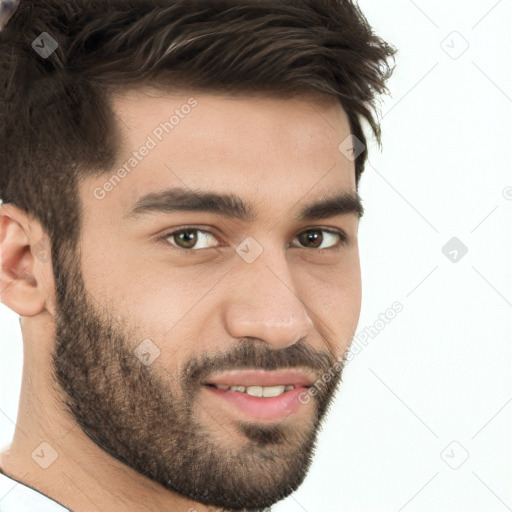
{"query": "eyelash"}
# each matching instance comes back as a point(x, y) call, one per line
point(342, 237)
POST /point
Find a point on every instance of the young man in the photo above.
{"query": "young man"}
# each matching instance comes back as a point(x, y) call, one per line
point(179, 238)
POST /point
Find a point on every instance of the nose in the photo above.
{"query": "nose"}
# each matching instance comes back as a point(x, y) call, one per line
point(264, 303)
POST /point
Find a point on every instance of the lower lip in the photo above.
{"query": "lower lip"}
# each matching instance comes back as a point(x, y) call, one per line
point(264, 408)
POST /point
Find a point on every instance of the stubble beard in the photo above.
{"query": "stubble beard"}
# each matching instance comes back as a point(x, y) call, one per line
point(150, 423)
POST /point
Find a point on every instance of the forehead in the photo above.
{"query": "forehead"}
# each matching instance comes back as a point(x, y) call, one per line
point(221, 120)
point(262, 146)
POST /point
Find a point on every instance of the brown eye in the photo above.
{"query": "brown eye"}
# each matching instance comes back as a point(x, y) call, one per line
point(188, 238)
point(194, 239)
point(314, 238)
point(311, 238)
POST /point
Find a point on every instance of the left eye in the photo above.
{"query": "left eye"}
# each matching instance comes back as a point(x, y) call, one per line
point(311, 236)
point(189, 239)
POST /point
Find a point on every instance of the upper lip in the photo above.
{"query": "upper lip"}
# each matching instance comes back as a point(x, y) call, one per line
point(262, 378)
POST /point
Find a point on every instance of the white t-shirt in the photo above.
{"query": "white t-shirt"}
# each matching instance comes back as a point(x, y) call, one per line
point(17, 497)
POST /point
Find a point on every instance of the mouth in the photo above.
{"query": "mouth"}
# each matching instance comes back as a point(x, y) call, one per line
point(256, 390)
point(260, 394)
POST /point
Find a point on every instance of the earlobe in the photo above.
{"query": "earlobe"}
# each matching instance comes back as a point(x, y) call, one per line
point(20, 271)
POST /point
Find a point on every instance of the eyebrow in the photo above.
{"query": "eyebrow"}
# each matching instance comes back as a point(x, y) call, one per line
point(232, 206)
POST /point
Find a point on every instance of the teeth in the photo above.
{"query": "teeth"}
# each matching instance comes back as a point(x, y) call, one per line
point(254, 391)
point(259, 391)
point(273, 390)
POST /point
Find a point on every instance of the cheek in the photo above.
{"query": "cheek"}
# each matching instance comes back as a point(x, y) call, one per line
point(351, 297)
point(334, 294)
point(341, 303)
point(167, 305)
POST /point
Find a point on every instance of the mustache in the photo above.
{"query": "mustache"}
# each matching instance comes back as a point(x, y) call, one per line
point(248, 354)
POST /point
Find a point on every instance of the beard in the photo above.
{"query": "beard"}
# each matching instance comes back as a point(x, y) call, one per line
point(147, 420)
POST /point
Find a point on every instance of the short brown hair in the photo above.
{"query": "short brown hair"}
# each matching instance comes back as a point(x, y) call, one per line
point(56, 122)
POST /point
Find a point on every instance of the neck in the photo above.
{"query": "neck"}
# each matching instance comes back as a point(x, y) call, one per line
point(51, 453)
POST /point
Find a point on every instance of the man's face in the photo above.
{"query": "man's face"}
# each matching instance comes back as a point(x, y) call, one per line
point(148, 321)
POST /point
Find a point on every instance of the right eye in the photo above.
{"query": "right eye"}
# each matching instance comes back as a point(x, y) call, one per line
point(188, 238)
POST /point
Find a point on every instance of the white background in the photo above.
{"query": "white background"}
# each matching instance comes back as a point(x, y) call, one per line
point(434, 385)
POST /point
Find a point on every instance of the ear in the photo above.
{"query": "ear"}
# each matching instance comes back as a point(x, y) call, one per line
point(25, 262)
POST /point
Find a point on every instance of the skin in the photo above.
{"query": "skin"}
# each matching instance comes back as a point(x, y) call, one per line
point(291, 307)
